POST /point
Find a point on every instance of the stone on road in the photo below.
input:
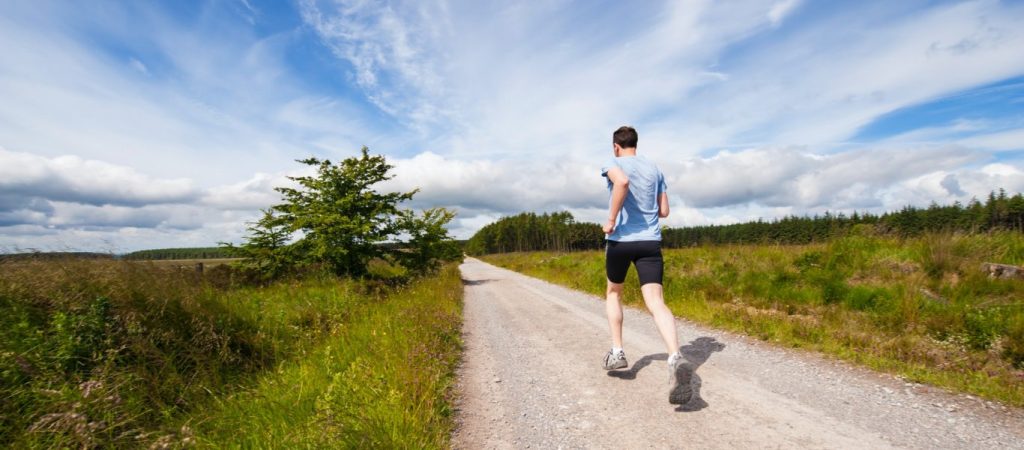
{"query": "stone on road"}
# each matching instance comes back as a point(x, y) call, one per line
point(531, 378)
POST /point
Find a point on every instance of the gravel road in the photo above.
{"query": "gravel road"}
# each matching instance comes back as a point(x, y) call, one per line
point(532, 378)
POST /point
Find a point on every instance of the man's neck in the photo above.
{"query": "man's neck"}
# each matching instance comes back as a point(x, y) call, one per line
point(627, 152)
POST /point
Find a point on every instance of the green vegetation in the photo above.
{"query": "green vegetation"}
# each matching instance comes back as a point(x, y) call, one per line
point(560, 232)
point(180, 253)
point(325, 332)
point(919, 307)
point(338, 221)
point(105, 353)
point(529, 232)
point(999, 212)
point(379, 380)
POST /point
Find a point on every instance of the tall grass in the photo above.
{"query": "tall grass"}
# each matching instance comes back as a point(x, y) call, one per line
point(101, 353)
point(379, 381)
point(921, 308)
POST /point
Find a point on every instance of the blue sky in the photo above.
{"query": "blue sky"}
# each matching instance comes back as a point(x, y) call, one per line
point(128, 125)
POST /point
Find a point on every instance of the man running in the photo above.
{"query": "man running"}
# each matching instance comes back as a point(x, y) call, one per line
point(637, 199)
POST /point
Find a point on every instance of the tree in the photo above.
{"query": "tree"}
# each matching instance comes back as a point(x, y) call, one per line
point(340, 221)
point(266, 252)
point(428, 243)
point(342, 218)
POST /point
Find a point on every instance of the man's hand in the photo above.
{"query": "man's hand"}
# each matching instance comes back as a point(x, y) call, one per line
point(609, 226)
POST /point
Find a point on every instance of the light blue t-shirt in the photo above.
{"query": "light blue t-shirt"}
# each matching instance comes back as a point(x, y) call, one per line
point(638, 219)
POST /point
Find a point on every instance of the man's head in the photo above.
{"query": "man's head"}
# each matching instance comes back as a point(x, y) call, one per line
point(623, 138)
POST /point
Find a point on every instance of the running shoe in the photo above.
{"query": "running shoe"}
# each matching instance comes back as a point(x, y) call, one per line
point(680, 377)
point(615, 360)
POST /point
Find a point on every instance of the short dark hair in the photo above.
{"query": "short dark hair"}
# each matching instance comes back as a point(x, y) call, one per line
point(625, 136)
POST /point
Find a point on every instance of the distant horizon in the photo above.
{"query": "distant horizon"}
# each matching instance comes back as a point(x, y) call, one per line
point(167, 124)
point(821, 214)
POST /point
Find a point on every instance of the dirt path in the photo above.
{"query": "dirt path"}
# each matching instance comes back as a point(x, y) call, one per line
point(532, 379)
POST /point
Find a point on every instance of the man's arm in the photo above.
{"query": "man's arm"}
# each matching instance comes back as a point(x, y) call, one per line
point(620, 186)
point(663, 205)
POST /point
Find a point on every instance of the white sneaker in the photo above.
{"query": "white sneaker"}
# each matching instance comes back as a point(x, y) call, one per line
point(679, 376)
point(615, 360)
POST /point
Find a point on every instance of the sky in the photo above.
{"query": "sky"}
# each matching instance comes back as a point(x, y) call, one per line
point(134, 125)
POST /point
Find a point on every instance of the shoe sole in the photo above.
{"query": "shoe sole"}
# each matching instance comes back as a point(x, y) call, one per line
point(682, 390)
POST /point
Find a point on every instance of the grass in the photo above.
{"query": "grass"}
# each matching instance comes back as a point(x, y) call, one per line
point(919, 308)
point(379, 381)
point(104, 353)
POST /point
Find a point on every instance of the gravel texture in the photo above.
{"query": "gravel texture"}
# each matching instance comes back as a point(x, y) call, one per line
point(532, 378)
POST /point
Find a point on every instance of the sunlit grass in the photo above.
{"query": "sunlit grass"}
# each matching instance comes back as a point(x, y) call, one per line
point(381, 380)
point(104, 353)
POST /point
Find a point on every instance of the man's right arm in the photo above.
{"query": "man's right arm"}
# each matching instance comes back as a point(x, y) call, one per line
point(620, 186)
point(663, 205)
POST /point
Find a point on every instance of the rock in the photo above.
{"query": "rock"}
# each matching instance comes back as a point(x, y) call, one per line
point(1002, 271)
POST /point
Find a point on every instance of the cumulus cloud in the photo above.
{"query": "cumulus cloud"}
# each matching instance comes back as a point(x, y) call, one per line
point(792, 176)
point(181, 135)
point(500, 186)
point(73, 179)
point(41, 196)
point(252, 194)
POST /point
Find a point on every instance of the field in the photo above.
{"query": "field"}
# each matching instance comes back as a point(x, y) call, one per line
point(921, 308)
point(107, 353)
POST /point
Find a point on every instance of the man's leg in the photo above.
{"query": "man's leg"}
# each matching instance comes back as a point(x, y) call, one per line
point(613, 306)
point(616, 265)
point(680, 378)
point(663, 318)
point(651, 270)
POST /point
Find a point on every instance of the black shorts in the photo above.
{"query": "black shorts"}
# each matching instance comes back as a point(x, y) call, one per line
point(646, 255)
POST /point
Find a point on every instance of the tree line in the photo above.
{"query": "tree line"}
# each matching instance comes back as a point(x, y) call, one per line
point(998, 212)
point(180, 253)
point(525, 232)
point(560, 232)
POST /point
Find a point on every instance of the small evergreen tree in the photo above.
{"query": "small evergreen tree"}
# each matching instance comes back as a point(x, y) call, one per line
point(266, 251)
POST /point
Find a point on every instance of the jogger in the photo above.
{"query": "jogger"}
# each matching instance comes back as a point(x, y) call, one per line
point(637, 200)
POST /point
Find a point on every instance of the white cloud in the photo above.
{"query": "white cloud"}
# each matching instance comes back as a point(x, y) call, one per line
point(500, 186)
point(71, 178)
point(999, 141)
point(215, 105)
point(778, 177)
point(54, 203)
point(181, 135)
point(387, 48)
point(252, 194)
point(780, 10)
